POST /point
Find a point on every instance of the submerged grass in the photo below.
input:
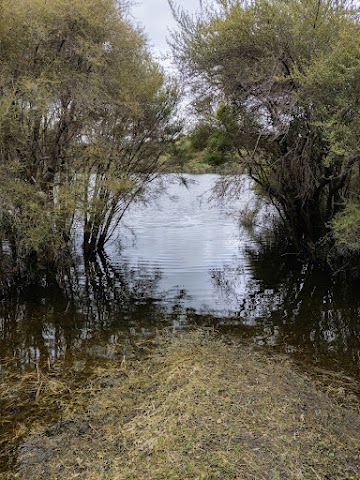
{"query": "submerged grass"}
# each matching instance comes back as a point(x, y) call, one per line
point(199, 407)
point(28, 400)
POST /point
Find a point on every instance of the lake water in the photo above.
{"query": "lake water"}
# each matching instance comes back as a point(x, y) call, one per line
point(182, 261)
point(190, 241)
point(213, 271)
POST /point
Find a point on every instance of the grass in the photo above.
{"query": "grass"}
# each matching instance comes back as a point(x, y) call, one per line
point(28, 399)
point(198, 407)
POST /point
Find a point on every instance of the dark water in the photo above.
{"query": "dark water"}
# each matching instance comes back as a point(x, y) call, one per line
point(178, 262)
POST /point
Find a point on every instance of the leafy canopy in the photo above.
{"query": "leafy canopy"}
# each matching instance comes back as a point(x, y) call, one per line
point(289, 72)
point(84, 116)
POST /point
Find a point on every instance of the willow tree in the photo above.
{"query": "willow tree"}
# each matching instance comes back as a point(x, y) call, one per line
point(83, 112)
point(276, 66)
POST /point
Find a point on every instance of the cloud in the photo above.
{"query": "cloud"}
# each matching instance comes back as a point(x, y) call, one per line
point(155, 17)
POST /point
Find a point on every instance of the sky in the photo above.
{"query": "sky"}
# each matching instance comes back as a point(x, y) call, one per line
point(156, 19)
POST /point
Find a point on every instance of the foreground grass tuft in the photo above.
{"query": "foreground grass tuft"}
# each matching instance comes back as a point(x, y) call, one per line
point(198, 408)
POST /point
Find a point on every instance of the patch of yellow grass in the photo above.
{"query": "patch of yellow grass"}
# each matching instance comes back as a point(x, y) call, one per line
point(199, 407)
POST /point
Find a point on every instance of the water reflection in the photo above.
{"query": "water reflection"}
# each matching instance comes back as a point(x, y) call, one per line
point(186, 261)
point(95, 306)
point(296, 308)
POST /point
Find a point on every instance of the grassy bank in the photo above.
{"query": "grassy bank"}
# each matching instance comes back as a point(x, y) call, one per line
point(199, 407)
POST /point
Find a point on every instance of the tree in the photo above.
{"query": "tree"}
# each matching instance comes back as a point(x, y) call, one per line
point(289, 71)
point(84, 112)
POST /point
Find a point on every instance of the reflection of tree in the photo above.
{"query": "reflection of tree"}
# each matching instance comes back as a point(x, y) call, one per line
point(295, 306)
point(97, 304)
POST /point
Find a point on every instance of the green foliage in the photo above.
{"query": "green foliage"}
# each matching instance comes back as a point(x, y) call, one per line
point(85, 115)
point(287, 74)
point(346, 228)
point(209, 145)
point(200, 134)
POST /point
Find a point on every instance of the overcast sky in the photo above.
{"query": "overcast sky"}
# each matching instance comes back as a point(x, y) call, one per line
point(156, 18)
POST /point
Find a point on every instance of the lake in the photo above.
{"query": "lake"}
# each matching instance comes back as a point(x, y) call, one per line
point(184, 260)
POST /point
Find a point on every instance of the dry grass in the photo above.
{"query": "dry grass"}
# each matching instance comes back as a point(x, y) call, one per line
point(199, 407)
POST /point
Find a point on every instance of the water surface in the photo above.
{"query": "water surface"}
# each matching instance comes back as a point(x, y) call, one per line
point(181, 261)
